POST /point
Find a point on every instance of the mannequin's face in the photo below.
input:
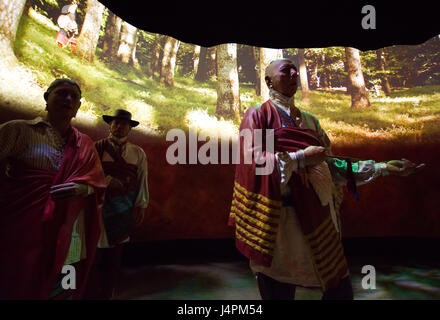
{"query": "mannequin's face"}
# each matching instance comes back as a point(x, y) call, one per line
point(283, 76)
point(63, 101)
point(120, 128)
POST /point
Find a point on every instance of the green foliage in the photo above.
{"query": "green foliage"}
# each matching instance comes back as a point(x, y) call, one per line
point(370, 68)
point(184, 61)
point(105, 87)
point(52, 9)
point(414, 65)
point(325, 66)
point(144, 47)
point(407, 115)
point(246, 64)
point(52, 3)
point(405, 66)
point(102, 30)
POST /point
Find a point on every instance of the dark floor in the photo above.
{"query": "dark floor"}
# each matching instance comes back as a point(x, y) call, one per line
point(406, 268)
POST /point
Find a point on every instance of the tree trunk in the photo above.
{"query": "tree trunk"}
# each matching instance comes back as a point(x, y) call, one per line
point(88, 38)
point(127, 46)
point(27, 7)
point(202, 71)
point(359, 96)
point(134, 60)
point(10, 14)
point(228, 91)
point(196, 59)
point(256, 52)
point(111, 41)
point(324, 78)
point(155, 56)
point(212, 64)
point(314, 78)
point(266, 56)
point(384, 79)
point(303, 78)
point(169, 61)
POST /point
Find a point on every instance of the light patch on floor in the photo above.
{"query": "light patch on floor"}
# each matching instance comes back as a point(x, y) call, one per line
point(233, 280)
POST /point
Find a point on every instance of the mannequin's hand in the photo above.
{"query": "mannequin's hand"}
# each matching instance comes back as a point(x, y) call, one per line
point(314, 155)
point(68, 190)
point(403, 167)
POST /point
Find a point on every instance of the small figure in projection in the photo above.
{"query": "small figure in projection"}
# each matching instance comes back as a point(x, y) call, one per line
point(68, 27)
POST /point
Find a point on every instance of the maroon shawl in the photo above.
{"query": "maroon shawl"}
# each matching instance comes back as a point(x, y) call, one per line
point(256, 203)
point(35, 231)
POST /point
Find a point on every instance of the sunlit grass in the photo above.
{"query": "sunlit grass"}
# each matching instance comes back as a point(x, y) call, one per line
point(210, 125)
point(404, 117)
point(42, 20)
point(144, 113)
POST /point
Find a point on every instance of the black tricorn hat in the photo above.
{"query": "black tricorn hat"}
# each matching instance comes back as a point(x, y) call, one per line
point(121, 114)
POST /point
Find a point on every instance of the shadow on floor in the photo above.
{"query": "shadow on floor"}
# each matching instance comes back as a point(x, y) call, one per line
point(405, 268)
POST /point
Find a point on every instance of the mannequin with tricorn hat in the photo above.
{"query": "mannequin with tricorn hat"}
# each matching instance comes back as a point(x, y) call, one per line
point(125, 167)
point(122, 115)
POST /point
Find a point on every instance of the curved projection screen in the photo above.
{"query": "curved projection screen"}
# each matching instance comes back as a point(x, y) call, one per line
point(169, 84)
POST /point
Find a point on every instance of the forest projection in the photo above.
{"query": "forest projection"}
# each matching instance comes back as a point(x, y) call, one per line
point(389, 94)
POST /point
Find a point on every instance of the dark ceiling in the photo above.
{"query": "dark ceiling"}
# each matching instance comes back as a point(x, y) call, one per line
point(284, 24)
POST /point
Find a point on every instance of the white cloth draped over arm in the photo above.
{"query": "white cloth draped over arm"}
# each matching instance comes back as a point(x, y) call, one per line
point(287, 163)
